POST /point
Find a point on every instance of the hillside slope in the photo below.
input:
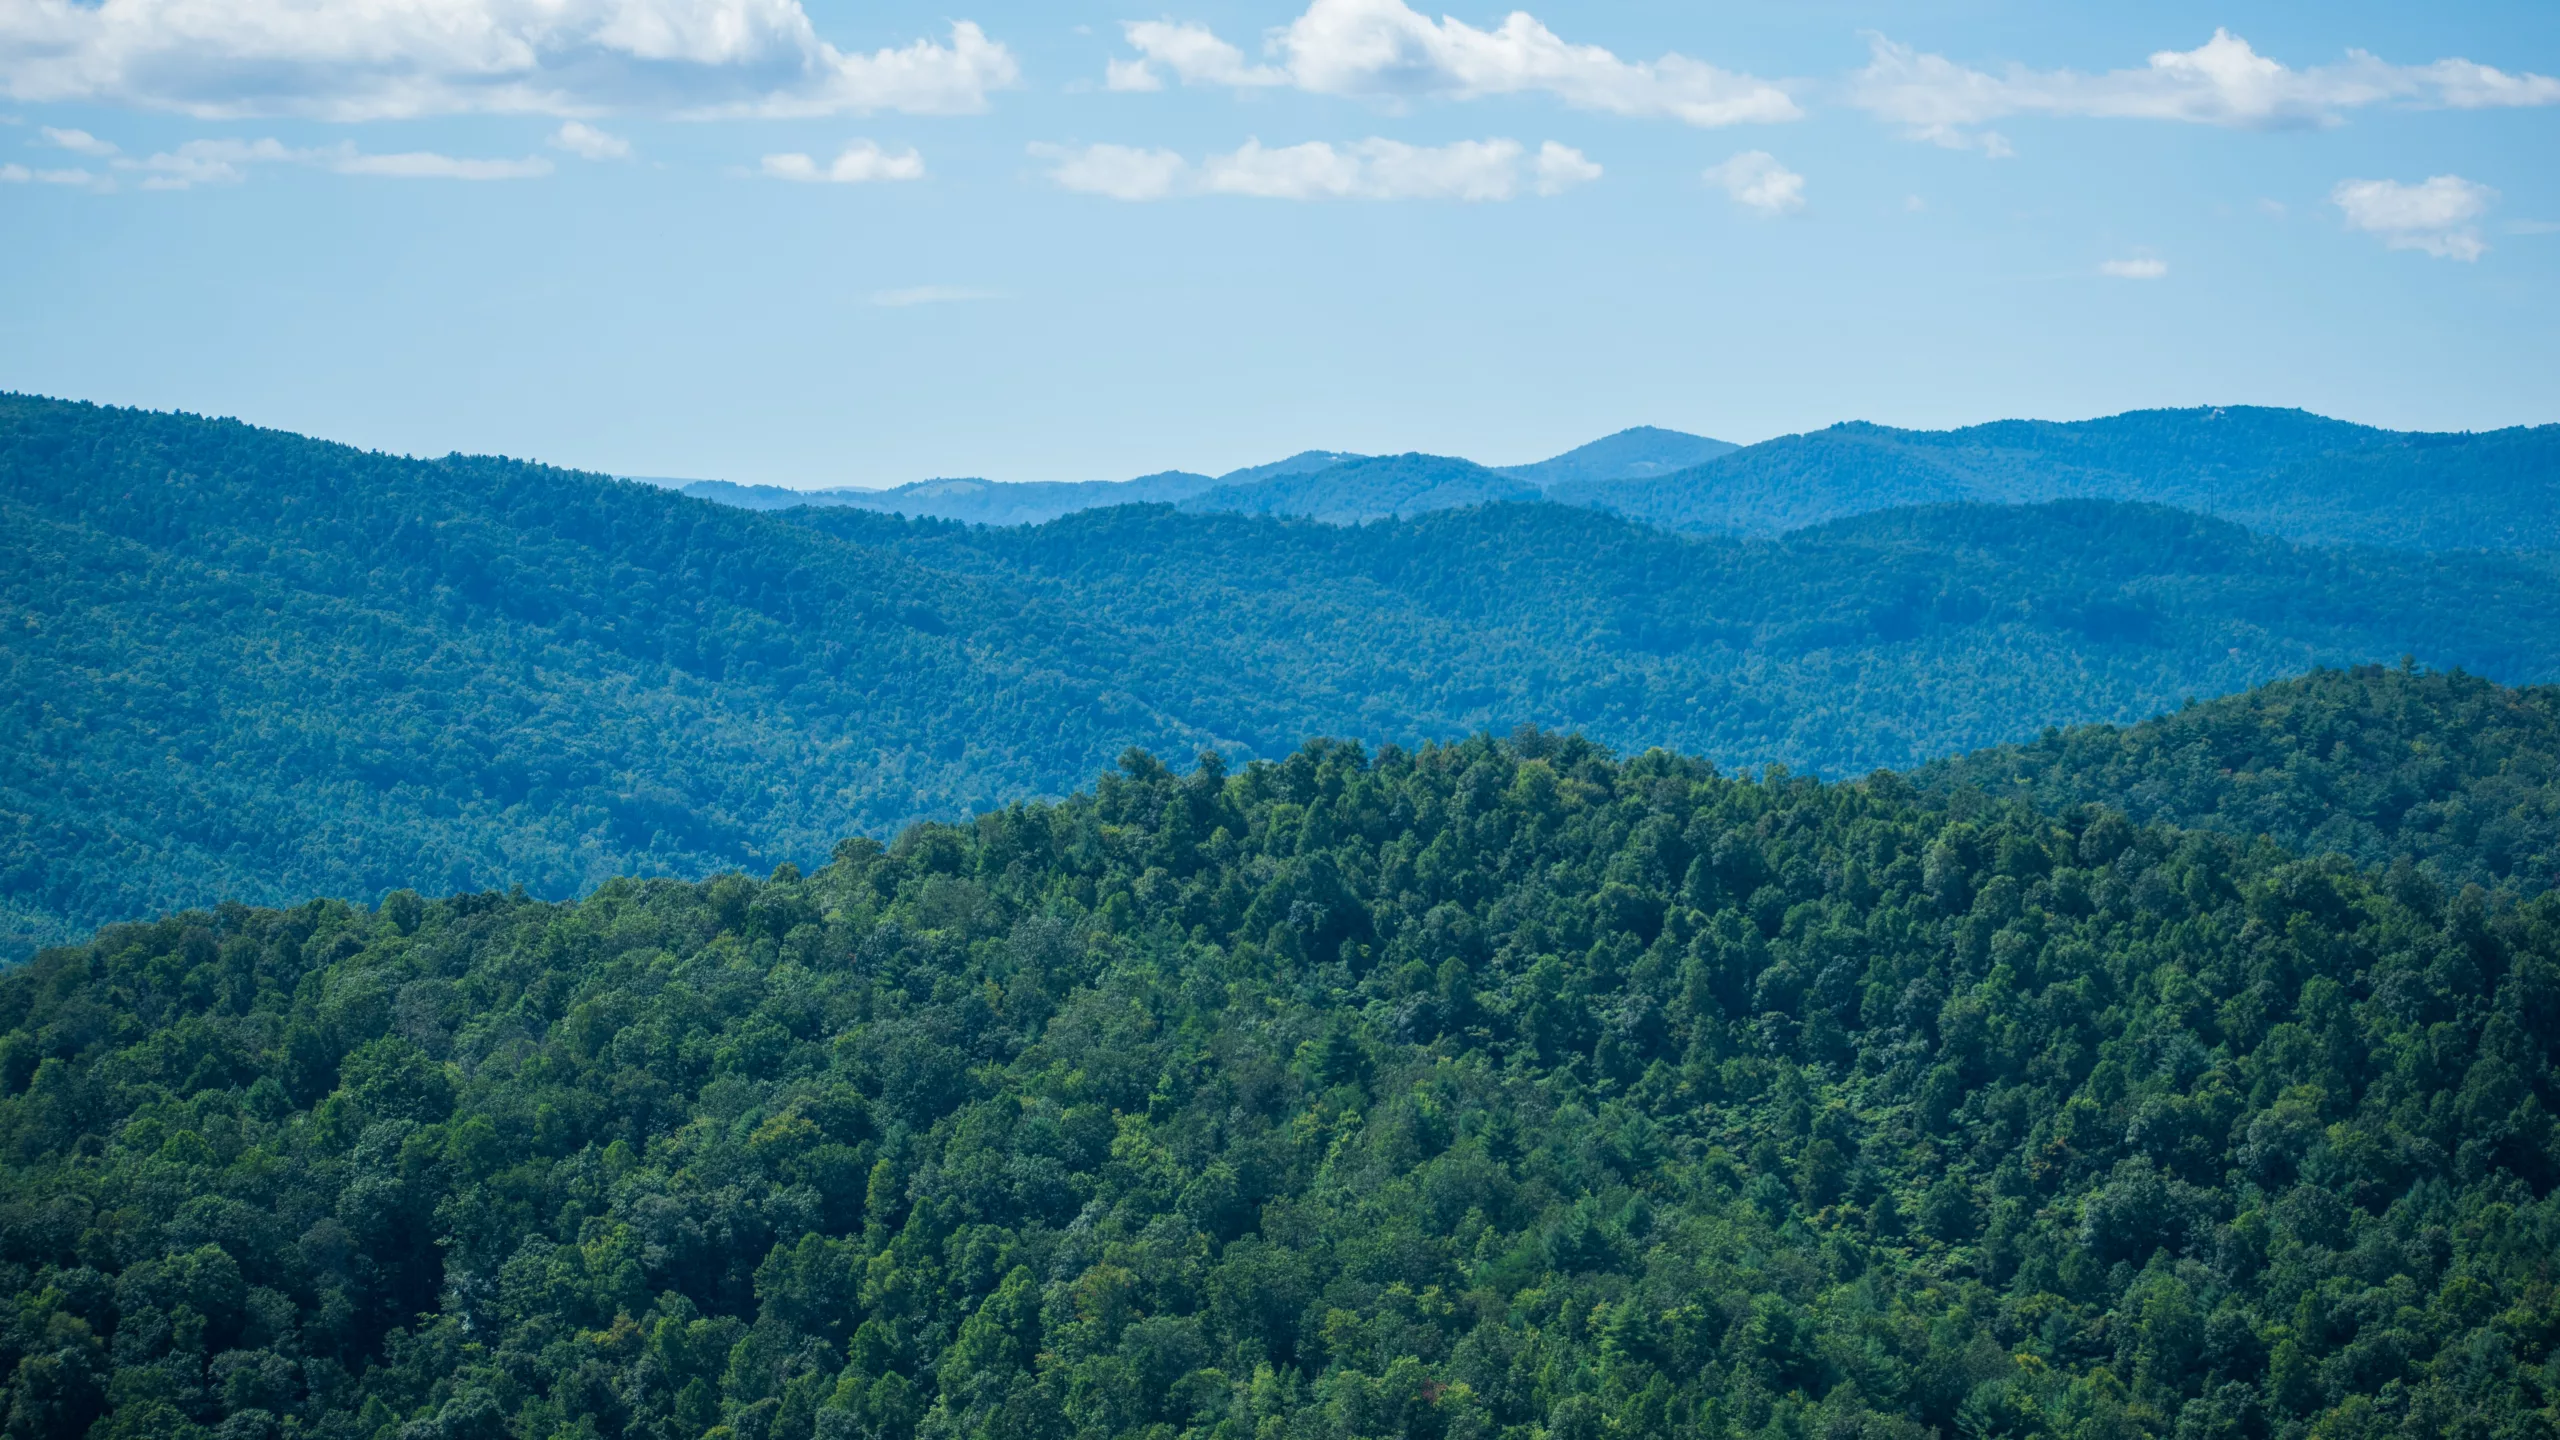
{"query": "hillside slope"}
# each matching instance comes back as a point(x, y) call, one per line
point(2282, 472)
point(2448, 771)
point(1490, 1091)
point(241, 664)
point(1880, 642)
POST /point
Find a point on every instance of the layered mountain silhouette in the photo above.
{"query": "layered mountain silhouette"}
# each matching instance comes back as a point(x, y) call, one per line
point(2284, 472)
point(241, 662)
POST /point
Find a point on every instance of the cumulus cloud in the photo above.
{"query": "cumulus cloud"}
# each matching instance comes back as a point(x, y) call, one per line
point(1385, 50)
point(1757, 182)
point(2138, 268)
point(78, 142)
point(1121, 172)
point(229, 161)
point(1374, 169)
point(16, 174)
point(381, 59)
point(2224, 82)
point(858, 163)
point(589, 143)
point(2438, 216)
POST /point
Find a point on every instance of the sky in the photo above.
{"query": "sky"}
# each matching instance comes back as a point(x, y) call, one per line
point(811, 243)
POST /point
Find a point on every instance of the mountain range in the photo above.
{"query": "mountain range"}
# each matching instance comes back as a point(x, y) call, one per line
point(240, 662)
point(2186, 1073)
point(2283, 472)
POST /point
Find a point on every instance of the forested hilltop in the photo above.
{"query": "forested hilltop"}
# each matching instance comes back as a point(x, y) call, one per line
point(241, 664)
point(2444, 770)
point(2283, 472)
point(1486, 1092)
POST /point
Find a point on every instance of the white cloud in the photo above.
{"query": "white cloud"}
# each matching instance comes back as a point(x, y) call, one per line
point(427, 165)
point(1385, 50)
point(2439, 215)
point(78, 142)
point(1121, 172)
point(1561, 167)
point(1756, 181)
point(589, 143)
point(1375, 169)
point(858, 163)
point(14, 174)
point(228, 162)
point(2221, 82)
point(1191, 52)
point(2138, 268)
point(929, 295)
point(379, 59)
point(1129, 75)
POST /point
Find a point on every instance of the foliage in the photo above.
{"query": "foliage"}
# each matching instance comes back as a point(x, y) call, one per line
point(239, 663)
point(1494, 1090)
point(1884, 641)
point(2444, 770)
point(2284, 472)
point(236, 663)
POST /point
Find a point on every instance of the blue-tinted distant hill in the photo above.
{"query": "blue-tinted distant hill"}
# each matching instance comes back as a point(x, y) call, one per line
point(2282, 472)
point(1372, 488)
point(237, 662)
point(1360, 487)
point(1639, 454)
point(978, 502)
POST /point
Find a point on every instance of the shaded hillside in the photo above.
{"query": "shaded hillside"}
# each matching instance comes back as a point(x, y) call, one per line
point(1491, 1091)
point(239, 663)
point(1376, 488)
point(1884, 641)
point(2449, 771)
point(2283, 472)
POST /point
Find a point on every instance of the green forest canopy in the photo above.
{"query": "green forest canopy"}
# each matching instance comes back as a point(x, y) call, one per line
point(2378, 764)
point(239, 663)
point(1487, 1090)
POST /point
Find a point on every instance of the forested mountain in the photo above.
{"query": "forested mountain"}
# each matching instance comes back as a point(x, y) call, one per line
point(1490, 1092)
point(236, 663)
point(1883, 641)
point(1373, 488)
point(2283, 472)
point(2447, 771)
point(1635, 454)
point(241, 663)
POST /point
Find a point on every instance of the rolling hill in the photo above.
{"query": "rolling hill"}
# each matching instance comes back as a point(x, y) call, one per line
point(1374, 488)
point(241, 663)
point(1639, 453)
point(2283, 472)
point(1496, 1089)
point(2451, 773)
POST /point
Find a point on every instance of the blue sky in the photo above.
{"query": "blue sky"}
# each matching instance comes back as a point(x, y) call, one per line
point(817, 243)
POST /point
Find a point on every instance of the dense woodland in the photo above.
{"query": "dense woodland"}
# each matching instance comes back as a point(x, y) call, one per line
point(2451, 772)
point(1490, 1090)
point(237, 663)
